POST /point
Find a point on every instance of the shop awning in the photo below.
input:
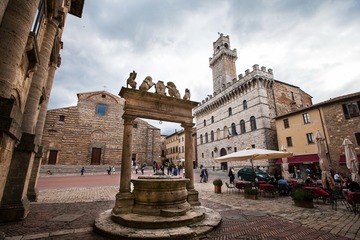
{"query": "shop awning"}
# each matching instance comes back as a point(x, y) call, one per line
point(304, 159)
point(342, 160)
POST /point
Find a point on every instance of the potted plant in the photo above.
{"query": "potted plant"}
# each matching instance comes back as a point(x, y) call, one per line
point(217, 185)
point(251, 193)
point(303, 198)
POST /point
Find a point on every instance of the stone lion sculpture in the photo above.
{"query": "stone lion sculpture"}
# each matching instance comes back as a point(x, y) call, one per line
point(173, 92)
point(146, 84)
point(160, 88)
point(187, 94)
point(131, 80)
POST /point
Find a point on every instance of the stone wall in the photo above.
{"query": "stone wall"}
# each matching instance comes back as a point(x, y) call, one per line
point(338, 127)
point(83, 129)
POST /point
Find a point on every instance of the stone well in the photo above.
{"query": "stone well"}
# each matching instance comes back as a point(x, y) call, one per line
point(160, 196)
point(160, 205)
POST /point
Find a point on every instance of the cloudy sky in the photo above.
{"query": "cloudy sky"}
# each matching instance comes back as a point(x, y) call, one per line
point(311, 44)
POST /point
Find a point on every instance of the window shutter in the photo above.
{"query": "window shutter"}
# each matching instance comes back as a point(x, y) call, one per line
point(346, 112)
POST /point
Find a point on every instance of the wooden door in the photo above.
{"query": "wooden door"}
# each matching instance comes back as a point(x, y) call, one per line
point(96, 156)
point(53, 157)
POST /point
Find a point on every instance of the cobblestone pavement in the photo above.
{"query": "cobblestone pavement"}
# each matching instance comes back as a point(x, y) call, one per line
point(70, 213)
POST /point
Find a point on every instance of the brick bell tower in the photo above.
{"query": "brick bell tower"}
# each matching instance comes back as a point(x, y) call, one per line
point(222, 63)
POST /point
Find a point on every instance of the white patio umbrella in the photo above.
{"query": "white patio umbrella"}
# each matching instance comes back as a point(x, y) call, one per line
point(285, 166)
point(326, 178)
point(252, 154)
point(352, 162)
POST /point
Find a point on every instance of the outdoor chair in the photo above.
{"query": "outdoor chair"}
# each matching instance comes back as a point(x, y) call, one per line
point(270, 192)
point(230, 187)
point(336, 197)
point(356, 203)
point(283, 190)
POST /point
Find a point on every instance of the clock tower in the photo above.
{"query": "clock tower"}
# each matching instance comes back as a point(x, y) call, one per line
point(222, 63)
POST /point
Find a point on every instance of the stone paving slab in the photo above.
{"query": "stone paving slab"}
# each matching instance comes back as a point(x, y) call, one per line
point(266, 218)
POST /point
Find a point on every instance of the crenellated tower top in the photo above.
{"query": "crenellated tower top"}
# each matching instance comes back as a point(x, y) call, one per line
point(223, 62)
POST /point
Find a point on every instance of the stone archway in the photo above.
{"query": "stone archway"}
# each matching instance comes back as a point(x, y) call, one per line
point(155, 106)
point(223, 165)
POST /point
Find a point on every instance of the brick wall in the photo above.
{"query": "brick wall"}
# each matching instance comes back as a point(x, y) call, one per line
point(83, 130)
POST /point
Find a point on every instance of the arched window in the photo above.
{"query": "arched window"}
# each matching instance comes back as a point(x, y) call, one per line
point(206, 138)
point(253, 123)
point(201, 139)
point(233, 129)
point(225, 132)
point(230, 111)
point(212, 119)
point(244, 104)
point(218, 137)
point(212, 136)
point(242, 126)
point(204, 123)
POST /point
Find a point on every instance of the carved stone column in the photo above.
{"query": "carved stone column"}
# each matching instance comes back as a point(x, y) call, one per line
point(32, 190)
point(193, 195)
point(125, 199)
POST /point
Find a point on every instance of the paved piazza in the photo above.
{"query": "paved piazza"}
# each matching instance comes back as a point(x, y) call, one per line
point(265, 218)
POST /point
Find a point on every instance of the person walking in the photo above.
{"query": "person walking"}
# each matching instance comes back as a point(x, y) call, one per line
point(231, 175)
point(204, 175)
point(82, 171)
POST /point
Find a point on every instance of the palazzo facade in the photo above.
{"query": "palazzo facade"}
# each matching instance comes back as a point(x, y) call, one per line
point(241, 110)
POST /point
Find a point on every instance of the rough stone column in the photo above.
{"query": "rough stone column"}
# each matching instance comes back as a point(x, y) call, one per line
point(15, 204)
point(15, 23)
point(39, 79)
point(14, 32)
point(32, 191)
point(193, 195)
point(125, 199)
point(3, 5)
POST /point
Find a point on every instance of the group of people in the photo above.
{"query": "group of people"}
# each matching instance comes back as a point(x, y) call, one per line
point(110, 169)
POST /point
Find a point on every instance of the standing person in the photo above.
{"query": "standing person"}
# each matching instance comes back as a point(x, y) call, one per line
point(175, 171)
point(82, 171)
point(136, 169)
point(109, 170)
point(154, 166)
point(231, 175)
point(113, 169)
point(206, 175)
point(142, 168)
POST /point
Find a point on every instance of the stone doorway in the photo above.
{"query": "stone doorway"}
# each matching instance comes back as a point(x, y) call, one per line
point(95, 156)
point(53, 157)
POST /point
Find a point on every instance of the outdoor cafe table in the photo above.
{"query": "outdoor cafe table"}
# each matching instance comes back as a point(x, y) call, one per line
point(242, 184)
point(350, 197)
point(317, 192)
point(264, 186)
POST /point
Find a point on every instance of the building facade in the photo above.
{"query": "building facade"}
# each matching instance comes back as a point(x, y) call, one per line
point(335, 119)
point(91, 133)
point(175, 148)
point(30, 43)
point(240, 113)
